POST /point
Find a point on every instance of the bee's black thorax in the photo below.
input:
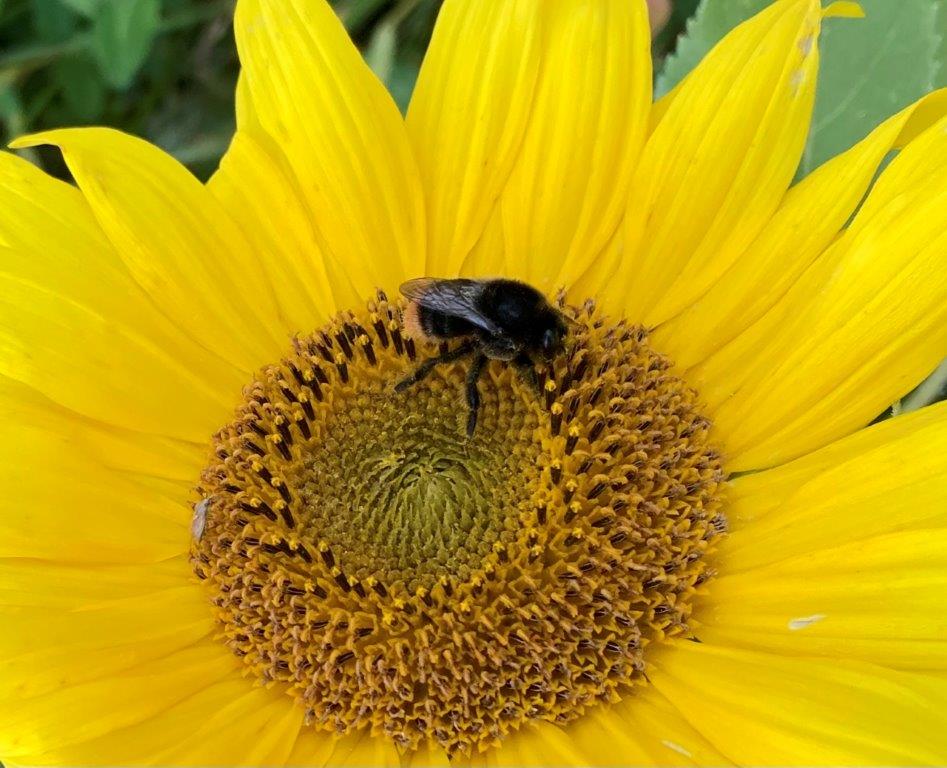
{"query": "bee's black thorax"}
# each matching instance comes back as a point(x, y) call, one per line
point(520, 310)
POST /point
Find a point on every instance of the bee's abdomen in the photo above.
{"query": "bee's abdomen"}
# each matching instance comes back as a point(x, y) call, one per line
point(442, 326)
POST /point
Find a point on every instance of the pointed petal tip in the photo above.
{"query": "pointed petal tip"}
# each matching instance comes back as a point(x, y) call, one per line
point(843, 9)
point(49, 137)
point(29, 140)
point(56, 136)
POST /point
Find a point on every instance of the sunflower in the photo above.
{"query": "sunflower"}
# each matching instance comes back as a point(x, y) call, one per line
point(227, 538)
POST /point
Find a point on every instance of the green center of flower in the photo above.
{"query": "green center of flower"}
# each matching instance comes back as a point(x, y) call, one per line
point(393, 574)
point(415, 501)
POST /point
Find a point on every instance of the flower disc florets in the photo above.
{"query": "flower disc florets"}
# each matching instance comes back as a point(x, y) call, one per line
point(396, 576)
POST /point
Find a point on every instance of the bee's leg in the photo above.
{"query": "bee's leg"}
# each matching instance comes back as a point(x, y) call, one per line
point(428, 365)
point(527, 369)
point(473, 394)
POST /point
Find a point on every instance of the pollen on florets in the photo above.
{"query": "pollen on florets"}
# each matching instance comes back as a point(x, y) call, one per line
point(394, 575)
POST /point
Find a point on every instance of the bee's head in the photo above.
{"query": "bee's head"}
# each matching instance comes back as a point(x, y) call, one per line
point(553, 336)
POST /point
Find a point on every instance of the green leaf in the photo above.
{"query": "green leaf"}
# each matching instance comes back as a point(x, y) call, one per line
point(870, 69)
point(82, 88)
point(681, 12)
point(356, 14)
point(940, 53)
point(52, 21)
point(714, 18)
point(85, 8)
point(380, 53)
point(121, 37)
point(11, 110)
point(23, 60)
point(13, 120)
point(401, 84)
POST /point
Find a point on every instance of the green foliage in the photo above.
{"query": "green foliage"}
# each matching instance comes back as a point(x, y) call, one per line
point(86, 8)
point(940, 50)
point(359, 14)
point(162, 69)
point(84, 92)
point(51, 21)
point(382, 50)
point(122, 32)
point(11, 109)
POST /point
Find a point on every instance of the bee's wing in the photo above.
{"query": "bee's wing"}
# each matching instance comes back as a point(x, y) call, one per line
point(459, 298)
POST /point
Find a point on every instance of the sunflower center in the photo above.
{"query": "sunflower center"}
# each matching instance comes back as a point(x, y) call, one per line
point(400, 495)
point(393, 574)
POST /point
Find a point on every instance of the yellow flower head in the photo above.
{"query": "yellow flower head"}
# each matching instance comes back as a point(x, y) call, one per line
point(231, 537)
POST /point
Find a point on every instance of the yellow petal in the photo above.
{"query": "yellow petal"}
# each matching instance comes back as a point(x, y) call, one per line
point(766, 709)
point(75, 327)
point(430, 755)
point(843, 9)
point(881, 600)
point(61, 505)
point(569, 186)
point(807, 220)
point(177, 241)
point(468, 117)
point(51, 722)
point(312, 748)
point(48, 649)
point(362, 749)
point(643, 728)
point(26, 582)
point(530, 115)
point(660, 107)
point(489, 257)
point(537, 744)
point(841, 552)
point(117, 375)
point(717, 164)
point(863, 325)
point(884, 479)
point(225, 723)
point(257, 186)
point(99, 663)
point(306, 87)
point(136, 454)
point(258, 728)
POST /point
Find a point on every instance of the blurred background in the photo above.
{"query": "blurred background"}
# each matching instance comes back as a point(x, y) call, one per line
point(166, 69)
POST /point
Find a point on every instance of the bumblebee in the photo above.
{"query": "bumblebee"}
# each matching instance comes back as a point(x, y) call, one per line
point(495, 320)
